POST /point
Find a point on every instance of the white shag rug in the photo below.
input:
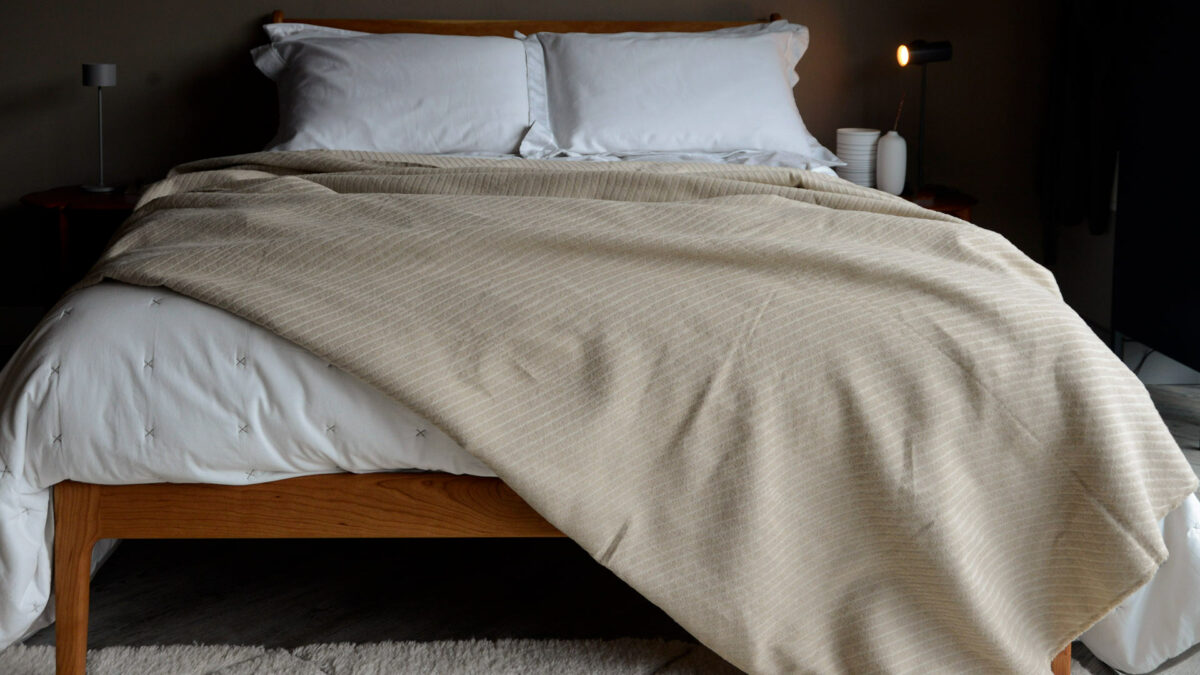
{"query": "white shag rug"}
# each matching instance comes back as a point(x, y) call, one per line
point(451, 657)
point(466, 657)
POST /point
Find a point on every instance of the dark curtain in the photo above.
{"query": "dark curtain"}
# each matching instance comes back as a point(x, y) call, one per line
point(1156, 245)
point(1079, 150)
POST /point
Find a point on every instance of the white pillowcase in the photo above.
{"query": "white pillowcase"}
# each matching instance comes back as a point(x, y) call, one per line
point(725, 93)
point(414, 93)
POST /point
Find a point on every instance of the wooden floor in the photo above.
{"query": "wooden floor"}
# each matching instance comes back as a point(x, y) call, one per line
point(287, 593)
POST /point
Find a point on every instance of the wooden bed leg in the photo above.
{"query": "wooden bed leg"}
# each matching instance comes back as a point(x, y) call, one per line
point(76, 516)
point(1061, 665)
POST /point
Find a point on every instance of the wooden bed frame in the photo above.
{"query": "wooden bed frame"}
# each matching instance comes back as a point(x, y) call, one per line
point(334, 506)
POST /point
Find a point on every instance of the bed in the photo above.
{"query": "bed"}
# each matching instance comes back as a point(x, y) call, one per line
point(271, 501)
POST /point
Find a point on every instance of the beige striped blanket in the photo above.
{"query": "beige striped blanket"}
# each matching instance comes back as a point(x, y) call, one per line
point(825, 430)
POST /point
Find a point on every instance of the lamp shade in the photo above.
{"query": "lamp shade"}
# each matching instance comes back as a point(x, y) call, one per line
point(99, 74)
point(920, 52)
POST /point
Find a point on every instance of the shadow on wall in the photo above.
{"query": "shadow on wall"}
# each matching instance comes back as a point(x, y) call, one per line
point(201, 108)
point(207, 102)
point(183, 92)
point(19, 101)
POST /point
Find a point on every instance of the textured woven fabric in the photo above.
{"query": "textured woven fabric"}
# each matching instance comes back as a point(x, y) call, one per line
point(824, 429)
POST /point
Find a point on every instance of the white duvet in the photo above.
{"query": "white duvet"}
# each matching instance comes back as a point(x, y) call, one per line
point(123, 384)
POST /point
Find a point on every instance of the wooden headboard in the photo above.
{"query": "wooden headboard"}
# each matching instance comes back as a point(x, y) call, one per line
point(505, 27)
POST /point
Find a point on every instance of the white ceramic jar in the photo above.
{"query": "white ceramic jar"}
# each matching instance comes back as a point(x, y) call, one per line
point(890, 163)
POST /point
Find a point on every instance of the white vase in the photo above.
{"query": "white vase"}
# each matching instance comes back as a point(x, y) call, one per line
point(890, 162)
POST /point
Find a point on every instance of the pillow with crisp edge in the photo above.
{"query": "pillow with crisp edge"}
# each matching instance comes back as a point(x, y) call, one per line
point(272, 63)
point(541, 142)
point(541, 134)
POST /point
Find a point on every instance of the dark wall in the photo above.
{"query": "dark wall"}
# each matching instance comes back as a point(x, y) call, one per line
point(187, 89)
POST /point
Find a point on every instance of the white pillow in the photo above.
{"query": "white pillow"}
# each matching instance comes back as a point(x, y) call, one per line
point(416, 93)
point(725, 93)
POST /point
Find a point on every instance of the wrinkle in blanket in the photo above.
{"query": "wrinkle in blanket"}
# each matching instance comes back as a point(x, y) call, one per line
point(789, 527)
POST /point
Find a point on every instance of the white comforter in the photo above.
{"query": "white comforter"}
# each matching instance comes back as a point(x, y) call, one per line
point(125, 384)
point(122, 384)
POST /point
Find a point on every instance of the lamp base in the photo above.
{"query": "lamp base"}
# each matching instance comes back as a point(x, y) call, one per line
point(99, 188)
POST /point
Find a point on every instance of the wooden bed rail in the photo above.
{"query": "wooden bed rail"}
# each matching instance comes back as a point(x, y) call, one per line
point(333, 506)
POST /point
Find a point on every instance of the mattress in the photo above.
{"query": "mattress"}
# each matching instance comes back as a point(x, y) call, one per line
point(154, 386)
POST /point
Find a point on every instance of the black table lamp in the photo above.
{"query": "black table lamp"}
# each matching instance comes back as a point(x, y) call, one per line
point(920, 52)
point(100, 75)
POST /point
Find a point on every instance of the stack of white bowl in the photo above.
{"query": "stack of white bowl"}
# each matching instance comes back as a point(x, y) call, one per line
point(856, 147)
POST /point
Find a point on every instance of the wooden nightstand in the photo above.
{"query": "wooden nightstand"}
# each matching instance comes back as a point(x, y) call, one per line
point(84, 220)
point(943, 200)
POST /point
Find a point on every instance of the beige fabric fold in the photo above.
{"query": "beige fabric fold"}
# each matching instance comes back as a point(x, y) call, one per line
point(824, 429)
